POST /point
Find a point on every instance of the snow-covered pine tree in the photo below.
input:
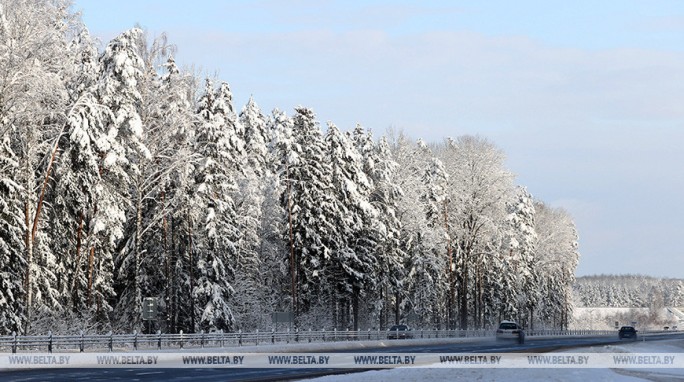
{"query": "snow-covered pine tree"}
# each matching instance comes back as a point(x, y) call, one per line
point(251, 295)
point(219, 144)
point(34, 68)
point(522, 240)
point(123, 70)
point(278, 242)
point(84, 240)
point(311, 212)
point(557, 257)
point(354, 267)
point(256, 138)
point(180, 209)
point(439, 211)
point(78, 231)
point(12, 312)
point(381, 170)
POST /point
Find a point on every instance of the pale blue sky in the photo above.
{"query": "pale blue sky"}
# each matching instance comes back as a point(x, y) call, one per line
point(585, 97)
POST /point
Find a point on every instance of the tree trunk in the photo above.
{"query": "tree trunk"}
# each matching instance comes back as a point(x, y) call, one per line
point(191, 267)
point(137, 290)
point(355, 308)
point(77, 264)
point(397, 308)
point(91, 264)
point(29, 262)
point(463, 303)
point(293, 277)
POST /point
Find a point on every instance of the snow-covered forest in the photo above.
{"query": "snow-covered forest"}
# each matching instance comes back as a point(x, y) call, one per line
point(628, 291)
point(124, 177)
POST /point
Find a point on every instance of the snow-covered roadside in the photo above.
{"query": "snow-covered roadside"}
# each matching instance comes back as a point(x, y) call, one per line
point(301, 347)
point(437, 373)
point(672, 346)
point(480, 375)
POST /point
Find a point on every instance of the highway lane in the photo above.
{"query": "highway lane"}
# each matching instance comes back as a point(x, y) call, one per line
point(269, 374)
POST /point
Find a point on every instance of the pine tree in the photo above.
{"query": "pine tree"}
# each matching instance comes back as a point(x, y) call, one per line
point(439, 211)
point(354, 266)
point(123, 69)
point(306, 198)
point(279, 225)
point(251, 294)
point(12, 263)
point(556, 257)
point(381, 169)
point(180, 209)
point(256, 137)
point(521, 238)
point(219, 144)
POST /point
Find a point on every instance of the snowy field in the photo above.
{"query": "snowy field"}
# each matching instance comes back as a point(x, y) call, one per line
point(439, 373)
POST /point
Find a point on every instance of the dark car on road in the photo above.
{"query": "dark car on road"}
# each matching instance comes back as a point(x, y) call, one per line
point(627, 332)
point(399, 332)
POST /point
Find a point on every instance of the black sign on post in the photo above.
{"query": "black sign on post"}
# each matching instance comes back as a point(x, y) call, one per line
point(149, 311)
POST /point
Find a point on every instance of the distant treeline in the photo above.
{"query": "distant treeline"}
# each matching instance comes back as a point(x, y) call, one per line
point(628, 291)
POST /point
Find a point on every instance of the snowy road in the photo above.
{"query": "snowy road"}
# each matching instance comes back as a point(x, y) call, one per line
point(397, 375)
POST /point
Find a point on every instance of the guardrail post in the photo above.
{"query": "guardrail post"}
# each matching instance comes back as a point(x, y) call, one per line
point(240, 337)
point(81, 344)
point(296, 334)
point(181, 338)
point(135, 339)
point(111, 341)
point(369, 334)
point(335, 334)
point(50, 341)
point(14, 342)
point(323, 333)
point(202, 339)
point(257, 337)
point(222, 336)
point(159, 339)
point(272, 336)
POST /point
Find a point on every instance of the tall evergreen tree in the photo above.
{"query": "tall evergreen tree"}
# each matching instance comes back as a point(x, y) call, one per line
point(219, 145)
point(12, 263)
point(381, 169)
point(180, 208)
point(354, 267)
point(251, 294)
point(311, 209)
point(123, 69)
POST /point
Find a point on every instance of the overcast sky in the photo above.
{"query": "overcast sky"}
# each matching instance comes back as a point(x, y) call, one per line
point(586, 98)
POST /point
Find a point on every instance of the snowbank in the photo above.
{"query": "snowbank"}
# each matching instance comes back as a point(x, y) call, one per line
point(436, 373)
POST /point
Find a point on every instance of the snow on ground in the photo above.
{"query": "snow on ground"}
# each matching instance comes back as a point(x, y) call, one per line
point(483, 375)
point(301, 347)
point(436, 373)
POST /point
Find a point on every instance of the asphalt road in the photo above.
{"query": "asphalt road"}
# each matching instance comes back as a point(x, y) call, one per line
point(236, 374)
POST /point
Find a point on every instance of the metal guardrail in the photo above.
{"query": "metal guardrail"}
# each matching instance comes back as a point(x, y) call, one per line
point(136, 341)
